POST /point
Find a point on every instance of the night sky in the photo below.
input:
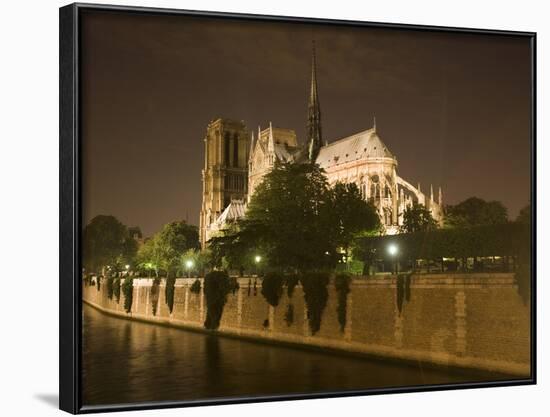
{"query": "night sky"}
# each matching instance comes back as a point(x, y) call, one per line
point(453, 108)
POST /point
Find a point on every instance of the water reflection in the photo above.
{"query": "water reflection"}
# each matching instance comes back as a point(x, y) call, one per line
point(126, 361)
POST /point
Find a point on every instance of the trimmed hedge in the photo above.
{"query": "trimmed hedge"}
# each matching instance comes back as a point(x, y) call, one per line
point(509, 239)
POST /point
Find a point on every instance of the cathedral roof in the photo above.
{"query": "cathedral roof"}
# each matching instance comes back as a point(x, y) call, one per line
point(366, 144)
point(235, 210)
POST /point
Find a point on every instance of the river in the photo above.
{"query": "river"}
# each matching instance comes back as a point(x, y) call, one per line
point(127, 361)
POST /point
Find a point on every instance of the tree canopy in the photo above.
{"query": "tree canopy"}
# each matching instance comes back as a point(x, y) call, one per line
point(295, 221)
point(417, 218)
point(475, 212)
point(107, 242)
point(164, 250)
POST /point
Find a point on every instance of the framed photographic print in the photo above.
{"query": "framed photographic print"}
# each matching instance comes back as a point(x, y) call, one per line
point(259, 208)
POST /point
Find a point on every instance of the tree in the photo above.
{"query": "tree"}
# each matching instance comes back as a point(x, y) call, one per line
point(352, 214)
point(164, 250)
point(524, 215)
point(417, 218)
point(289, 218)
point(106, 242)
point(475, 212)
point(295, 221)
point(149, 256)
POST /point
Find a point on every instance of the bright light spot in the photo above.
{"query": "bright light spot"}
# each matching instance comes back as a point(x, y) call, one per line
point(189, 264)
point(127, 266)
point(392, 249)
point(257, 258)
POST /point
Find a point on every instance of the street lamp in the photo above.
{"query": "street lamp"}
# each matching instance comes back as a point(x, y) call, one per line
point(189, 265)
point(257, 259)
point(393, 250)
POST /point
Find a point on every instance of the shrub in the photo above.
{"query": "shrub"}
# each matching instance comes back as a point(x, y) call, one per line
point(110, 288)
point(272, 288)
point(314, 285)
point(342, 285)
point(216, 288)
point(169, 291)
point(195, 287)
point(116, 289)
point(403, 286)
point(289, 315)
point(128, 291)
point(155, 290)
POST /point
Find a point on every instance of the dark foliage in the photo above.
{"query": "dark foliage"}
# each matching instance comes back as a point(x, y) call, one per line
point(106, 241)
point(289, 315)
point(216, 288)
point(475, 212)
point(155, 290)
point(196, 287)
point(169, 291)
point(128, 291)
point(291, 282)
point(110, 288)
point(314, 285)
point(342, 285)
point(272, 288)
point(116, 289)
point(403, 287)
point(508, 239)
point(417, 218)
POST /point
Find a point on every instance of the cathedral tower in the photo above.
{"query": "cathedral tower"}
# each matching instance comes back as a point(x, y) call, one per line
point(314, 136)
point(225, 173)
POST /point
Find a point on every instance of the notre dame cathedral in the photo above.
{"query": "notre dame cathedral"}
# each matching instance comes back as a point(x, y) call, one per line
point(236, 160)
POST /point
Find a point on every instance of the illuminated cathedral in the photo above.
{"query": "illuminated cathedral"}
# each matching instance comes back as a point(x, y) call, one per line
point(236, 161)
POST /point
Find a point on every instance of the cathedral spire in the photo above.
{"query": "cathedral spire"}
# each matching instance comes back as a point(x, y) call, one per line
point(314, 137)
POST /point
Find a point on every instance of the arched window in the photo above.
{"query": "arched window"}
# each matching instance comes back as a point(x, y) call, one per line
point(226, 140)
point(236, 150)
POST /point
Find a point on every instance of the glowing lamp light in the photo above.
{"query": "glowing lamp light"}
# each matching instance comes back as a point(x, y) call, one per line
point(257, 258)
point(189, 264)
point(392, 249)
point(127, 267)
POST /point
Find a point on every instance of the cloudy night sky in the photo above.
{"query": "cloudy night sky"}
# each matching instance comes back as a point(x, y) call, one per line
point(453, 108)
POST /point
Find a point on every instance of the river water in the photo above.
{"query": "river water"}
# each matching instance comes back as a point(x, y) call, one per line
point(126, 361)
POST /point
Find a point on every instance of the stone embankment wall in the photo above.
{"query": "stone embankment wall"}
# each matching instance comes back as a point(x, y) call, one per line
point(469, 321)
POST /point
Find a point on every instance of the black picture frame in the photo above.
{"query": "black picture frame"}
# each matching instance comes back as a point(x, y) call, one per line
point(70, 215)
